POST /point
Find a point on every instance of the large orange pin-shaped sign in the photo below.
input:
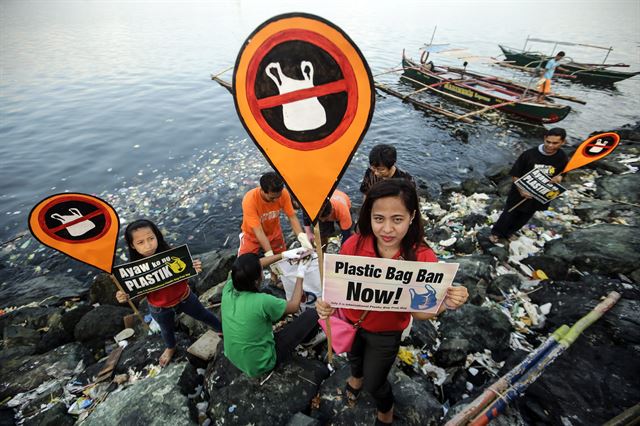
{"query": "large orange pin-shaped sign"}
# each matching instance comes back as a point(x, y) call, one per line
point(305, 94)
point(594, 148)
point(79, 225)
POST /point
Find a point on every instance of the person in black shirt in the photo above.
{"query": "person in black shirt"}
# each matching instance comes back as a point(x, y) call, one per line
point(548, 156)
point(382, 165)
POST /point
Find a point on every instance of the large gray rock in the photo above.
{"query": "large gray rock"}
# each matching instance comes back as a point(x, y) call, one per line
point(53, 416)
point(476, 185)
point(483, 328)
point(605, 249)
point(238, 399)
point(473, 268)
point(103, 322)
point(103, 290)
point(25, 373)
point(620, 188)
point(49, 290)
point(503, 283)
point(555, 268)
point(215, 268)
point(154, 401)
point(414, 403)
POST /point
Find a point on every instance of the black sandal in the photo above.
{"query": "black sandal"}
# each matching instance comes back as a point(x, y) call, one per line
point(351, 394)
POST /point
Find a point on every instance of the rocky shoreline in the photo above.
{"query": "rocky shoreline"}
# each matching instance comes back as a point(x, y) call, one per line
point(587, 245)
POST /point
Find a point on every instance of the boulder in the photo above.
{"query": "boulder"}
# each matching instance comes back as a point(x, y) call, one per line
point(54, 337)
point(453, 352)
point(56, 415)
point(103, 290)
point(484, 328)
point(236, 398)
point(25, 373)
point(473, 220)
point(619, 188)
point(599, 373)
point(423, 334)
point(554, 268)
point(215, 268)
point(478, 185)
point(438, 234)
point(473, 268)
point(503, 283)
point(413, 405)
point(464, 245)
point(71, 317)
point(31, 317)
point(17, 335)
point(159, 400)
point(101, 323)
point(604, 249)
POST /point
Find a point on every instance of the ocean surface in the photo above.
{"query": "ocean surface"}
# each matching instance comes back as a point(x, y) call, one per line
point(115, 99)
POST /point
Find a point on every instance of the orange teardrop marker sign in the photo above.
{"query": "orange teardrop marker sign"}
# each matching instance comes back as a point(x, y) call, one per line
point(593, 149)
point(81, 226)
point(305, 95)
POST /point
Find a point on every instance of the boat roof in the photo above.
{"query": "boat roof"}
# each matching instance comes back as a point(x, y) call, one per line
point(567, 43)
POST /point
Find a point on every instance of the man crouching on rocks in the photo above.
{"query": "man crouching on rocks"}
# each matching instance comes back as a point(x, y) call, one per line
point(552, 159)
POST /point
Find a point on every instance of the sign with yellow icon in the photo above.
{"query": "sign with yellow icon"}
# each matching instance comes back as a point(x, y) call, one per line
point(155, 272)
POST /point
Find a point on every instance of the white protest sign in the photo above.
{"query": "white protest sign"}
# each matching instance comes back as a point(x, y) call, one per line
point(539, 185)
point(376, 284)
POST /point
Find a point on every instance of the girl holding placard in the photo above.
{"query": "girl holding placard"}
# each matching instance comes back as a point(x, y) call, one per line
point(390, 226)
point(144, 239)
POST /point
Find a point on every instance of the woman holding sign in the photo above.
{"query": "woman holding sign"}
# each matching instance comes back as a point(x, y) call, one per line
point(390, 227)
point(144, 239)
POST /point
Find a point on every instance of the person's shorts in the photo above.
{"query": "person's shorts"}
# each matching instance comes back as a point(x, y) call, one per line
point(249, 245)
point(546, 86)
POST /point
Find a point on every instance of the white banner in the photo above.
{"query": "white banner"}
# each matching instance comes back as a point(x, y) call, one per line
point(377, 284)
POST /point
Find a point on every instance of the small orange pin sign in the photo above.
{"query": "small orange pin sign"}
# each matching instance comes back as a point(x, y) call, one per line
point(593, 149)
point(305, 95)
point(81, 226)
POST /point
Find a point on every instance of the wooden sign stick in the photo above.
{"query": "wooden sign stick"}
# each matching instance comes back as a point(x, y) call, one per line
point(135, 310)
point(316, 235)
point(521, 201)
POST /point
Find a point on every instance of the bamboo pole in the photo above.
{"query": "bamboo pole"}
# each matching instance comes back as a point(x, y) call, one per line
point(503, 383)
point(488, 108)
point(318, 238)
point(419, 104)
point(135, 310)
point(388, 72)
point(521, 201)
point(518, 387)
point(213, 76)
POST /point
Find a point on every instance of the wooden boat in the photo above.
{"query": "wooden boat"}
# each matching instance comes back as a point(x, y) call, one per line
point(599, 74)
point(484, 91)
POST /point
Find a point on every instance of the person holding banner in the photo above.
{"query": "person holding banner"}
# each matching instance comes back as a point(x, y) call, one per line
point(144, 239)
point(248, 315)
point(390, 226)
point(261, 209)
point(382, 165)
point(552, 159)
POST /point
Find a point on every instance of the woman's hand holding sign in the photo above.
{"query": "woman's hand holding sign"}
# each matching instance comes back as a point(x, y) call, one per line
point(456, 297)
point(324, 309)
point(197, 265)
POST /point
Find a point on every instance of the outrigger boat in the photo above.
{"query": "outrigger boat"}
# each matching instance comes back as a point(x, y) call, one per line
point(487, 92)
point(576, 71)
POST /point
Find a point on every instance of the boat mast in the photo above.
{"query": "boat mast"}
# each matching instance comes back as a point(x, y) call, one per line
point(607, 55)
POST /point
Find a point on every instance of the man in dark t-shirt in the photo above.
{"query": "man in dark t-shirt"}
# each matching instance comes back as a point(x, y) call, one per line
point(382, 165)
point(551, 158)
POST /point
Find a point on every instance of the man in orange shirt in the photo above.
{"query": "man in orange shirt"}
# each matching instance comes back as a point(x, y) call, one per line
point(261, 209)
point(336, 209)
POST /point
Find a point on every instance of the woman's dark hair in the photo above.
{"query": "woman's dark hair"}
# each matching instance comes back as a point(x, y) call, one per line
point(406, 191)
point(139, 224)
point(246, 271)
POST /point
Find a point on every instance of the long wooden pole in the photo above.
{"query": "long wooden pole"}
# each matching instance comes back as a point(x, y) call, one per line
point(135, 310)
point(318, 238)
point(490, 107)
point(521, 201)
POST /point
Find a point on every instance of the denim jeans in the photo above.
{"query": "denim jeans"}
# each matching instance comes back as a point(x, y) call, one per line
point(165, 317)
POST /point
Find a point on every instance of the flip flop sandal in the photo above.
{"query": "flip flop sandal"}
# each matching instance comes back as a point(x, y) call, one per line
point(351, 394)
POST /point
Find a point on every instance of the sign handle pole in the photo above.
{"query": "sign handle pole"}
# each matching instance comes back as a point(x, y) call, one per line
point(135, 310)
point(513, 208)
point(316, 235)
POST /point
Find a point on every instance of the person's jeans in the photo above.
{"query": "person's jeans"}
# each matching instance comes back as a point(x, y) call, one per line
point(165, 317)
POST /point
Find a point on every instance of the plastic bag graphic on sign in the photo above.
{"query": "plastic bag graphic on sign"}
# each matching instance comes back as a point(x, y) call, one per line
point(305, 114)
point(76, 229)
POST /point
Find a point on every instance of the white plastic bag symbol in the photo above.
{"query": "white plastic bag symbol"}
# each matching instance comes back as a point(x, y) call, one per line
point(76, 229)
point(305, 114)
